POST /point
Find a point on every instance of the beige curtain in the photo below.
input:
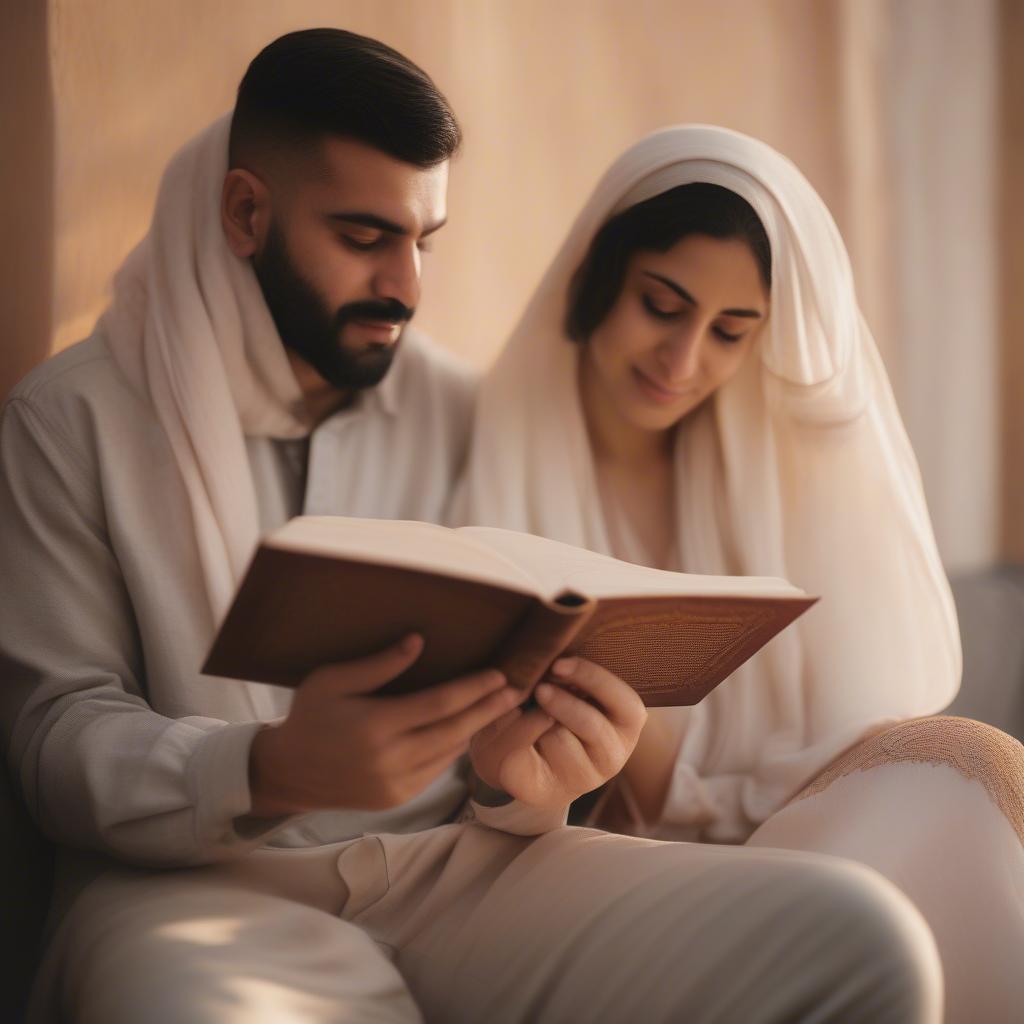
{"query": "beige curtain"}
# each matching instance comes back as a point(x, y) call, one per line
point(1011, 276)
point(942, 145)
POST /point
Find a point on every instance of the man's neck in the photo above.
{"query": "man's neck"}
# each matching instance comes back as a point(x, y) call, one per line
point(322, 399)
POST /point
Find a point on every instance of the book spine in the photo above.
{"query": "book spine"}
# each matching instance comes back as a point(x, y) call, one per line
point(539, 637)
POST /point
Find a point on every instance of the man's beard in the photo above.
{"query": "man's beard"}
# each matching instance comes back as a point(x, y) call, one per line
point(308, 328)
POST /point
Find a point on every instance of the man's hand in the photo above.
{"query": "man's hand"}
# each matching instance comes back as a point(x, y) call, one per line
point(342, 747)
point(582, 733)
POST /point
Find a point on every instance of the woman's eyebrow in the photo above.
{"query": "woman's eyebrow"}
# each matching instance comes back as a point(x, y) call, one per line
point(752, 314)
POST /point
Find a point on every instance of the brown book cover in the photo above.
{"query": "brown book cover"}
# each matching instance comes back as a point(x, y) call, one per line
point(322, 590)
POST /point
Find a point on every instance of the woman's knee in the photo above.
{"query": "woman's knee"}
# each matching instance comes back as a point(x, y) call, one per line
point(979, 752)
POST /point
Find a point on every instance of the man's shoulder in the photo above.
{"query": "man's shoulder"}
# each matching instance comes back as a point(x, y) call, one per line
point(77, 394)
point(83, 372)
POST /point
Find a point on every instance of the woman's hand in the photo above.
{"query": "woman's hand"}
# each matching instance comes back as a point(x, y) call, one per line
point(579, 735)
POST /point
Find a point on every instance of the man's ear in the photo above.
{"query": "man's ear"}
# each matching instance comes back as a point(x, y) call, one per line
point(244, 212)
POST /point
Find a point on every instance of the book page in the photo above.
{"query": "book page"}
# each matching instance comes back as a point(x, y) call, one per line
point(406, 545)
point(558, 567)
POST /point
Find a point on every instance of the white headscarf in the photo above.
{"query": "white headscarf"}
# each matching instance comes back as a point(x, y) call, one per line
point(799, 467)
point(190, 329)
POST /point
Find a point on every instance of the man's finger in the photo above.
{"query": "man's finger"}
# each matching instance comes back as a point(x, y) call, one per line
point(365, 675)
point(428, 773)
point(520, 733)
point(499, 724)
point(413, 781)
point(453, 734)
point(415, 710)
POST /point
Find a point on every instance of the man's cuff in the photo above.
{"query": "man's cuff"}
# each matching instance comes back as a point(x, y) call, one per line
point(220, 775)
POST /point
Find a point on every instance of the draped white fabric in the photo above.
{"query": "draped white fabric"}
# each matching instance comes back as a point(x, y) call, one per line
point(210, 360)
point(799, 467)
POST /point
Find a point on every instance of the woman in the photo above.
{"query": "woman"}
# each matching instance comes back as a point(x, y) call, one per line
point(693, 387)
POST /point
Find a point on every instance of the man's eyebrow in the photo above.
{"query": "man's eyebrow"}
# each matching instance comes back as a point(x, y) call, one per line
point(372, 220)
point(752, 314)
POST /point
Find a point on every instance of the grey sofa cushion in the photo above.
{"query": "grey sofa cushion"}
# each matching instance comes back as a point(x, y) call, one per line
point(990, 605)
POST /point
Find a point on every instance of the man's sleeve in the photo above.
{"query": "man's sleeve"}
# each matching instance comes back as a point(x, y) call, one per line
point(96, 766)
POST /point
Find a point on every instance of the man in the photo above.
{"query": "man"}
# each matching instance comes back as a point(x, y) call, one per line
point(255, 364)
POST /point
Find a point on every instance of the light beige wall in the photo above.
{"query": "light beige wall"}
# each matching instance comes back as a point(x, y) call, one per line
point(547, 93)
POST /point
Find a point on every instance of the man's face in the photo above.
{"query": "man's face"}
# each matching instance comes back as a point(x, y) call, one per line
point(339, 265)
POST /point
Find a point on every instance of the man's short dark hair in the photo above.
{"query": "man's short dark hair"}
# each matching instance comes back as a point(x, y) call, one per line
point(655, 225)
point(329, 82)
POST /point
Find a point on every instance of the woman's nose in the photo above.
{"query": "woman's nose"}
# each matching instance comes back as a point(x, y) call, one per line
point(680, 356)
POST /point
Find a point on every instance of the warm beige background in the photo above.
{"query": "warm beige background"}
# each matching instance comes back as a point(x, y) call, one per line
point(547, 93)
point(889, 106)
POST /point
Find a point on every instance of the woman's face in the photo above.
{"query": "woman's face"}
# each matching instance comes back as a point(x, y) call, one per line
point(682, 325)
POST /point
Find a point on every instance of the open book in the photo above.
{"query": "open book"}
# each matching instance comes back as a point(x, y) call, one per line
point(323, 589)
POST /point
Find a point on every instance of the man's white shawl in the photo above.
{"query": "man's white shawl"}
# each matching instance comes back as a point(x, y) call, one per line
point(799, 468)
point(191, 331)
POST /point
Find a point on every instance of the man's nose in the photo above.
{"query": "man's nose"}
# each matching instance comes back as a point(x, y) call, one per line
point(398, 277)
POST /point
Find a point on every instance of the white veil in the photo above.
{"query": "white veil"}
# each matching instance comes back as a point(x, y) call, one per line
point(799, 467)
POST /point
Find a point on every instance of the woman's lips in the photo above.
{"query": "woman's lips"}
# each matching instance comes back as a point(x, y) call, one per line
point(656, 392)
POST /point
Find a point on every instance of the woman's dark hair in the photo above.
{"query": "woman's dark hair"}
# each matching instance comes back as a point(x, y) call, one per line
point(325, 81)
point(655, 225)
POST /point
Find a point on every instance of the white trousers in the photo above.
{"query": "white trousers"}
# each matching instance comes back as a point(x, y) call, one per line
point(463, 923)
point(937, 807)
